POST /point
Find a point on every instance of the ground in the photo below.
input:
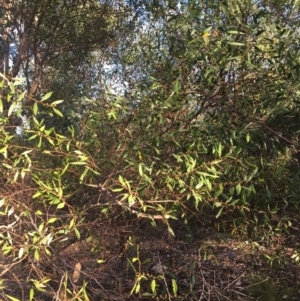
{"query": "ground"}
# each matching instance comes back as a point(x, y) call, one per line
point(141, 262)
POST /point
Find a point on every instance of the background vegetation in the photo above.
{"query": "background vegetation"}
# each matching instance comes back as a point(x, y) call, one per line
point(118, 116)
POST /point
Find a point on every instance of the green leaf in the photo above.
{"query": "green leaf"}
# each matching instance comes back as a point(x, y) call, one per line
point(77, 233)
point(78, 163)
point(65, 169)
point(21, 96)
point(148, 295)
point(3, 149)
point(141, 169)
point(6, 250)
point(238, 188)
point(41, 227)
point(248, 137)
point(117, 189)
point(207, 30)
point(207, 175)
point(174, 286)
point(56, 102)
point(68, 144)
point(40, 142)
point(121, 180)
point(7, 165)
point(21, 252)
point(131, 200)
point(12, 298)
point(219, 212)
point(36, 255)
point(234, 32)
point(153, 286)
point(57, 112)
point(72, 222)
point(138, 287)
point(27, 152)
point(217, 204)
point(37, 194)
point(46, 96)
point(132, 291)
point(60, 205)
point(11, 109)
point(12, 88)
point(170, 230)
point(193, 280)
point(50, 141)
point(36, 122)
point(31, 294)
point(232, 203)
point(35, 108)
point(83, 175)
point(236, 43)
point(52, 220)
point(32, 137)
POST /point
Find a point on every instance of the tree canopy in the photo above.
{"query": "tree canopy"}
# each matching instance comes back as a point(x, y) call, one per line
point(174, 113)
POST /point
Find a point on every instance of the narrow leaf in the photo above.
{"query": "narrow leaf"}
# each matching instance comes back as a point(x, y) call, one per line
point(153, 286)
point(219, 212)
point(238, 188)
point(3, 150)
point(35, 108)
point(12, 298)
point(37, 194)
point(11, 108)
point(31, 294)
point(121, 180)
point(174, 286)
point(236, 43)
point(52, 220)
point(60, 205)
point(46, 96)
point(21, 252)
point(57, 112)
point(54, 103)
point(78, 163)
point(36, 255)
point(77, 233)
point(141, 169)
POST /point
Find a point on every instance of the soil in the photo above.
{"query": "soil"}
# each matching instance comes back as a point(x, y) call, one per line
point(131, 262)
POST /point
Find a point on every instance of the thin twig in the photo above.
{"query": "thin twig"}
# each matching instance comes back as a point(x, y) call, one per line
point(164, 276)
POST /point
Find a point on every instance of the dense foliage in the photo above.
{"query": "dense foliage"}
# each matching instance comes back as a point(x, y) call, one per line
point(158, 111)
